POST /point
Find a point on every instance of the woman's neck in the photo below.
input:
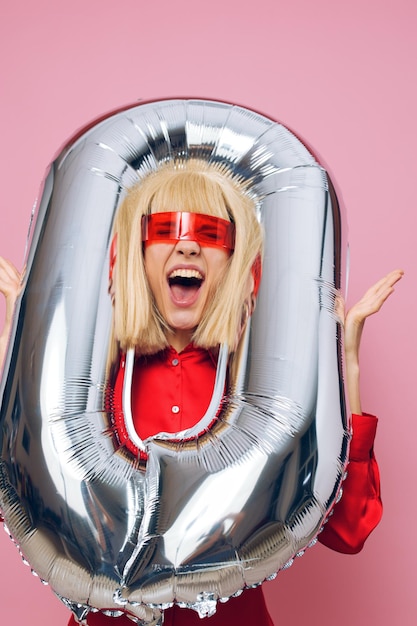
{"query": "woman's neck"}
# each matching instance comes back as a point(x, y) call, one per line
point(179, 339)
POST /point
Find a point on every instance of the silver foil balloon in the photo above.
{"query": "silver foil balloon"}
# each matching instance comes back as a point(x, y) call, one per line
point(210, 514)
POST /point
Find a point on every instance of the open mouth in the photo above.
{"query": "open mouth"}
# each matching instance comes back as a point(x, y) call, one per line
point(185, 284)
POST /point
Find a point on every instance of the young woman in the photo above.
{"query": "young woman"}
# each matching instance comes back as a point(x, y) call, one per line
point(184, 274)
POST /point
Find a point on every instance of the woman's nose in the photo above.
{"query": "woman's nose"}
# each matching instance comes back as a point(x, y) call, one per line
point(188, 247)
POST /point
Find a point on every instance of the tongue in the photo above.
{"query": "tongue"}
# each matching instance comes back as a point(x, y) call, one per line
point(184, 294)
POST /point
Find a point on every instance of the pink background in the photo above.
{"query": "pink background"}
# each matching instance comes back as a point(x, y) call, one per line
point(341, 75)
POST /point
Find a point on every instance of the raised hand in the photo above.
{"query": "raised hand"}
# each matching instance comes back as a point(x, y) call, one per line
point(370, 303)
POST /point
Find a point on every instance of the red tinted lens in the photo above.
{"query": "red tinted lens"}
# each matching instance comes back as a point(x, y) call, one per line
point(207, 230)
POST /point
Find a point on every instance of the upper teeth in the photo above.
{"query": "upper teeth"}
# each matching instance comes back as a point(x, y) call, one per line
point(186, 273)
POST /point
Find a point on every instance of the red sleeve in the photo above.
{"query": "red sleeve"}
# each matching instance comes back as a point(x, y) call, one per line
point(360, 508)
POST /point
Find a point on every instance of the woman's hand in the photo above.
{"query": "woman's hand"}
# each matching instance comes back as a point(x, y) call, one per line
point(369, 304)
point(10, 286)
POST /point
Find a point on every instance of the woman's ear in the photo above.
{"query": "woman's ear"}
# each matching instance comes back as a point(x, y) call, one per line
point(113, 255)
point(256, 274)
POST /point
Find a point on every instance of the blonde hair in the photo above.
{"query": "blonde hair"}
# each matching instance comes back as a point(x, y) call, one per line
point(194, 186)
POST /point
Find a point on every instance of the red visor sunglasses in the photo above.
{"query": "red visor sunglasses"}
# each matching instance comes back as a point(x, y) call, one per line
point(207, 230)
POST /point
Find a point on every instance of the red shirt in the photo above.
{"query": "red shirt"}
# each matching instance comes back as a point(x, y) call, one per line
point(167, 395)
point(170, 392)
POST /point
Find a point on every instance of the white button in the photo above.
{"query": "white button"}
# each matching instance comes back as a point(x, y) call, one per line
point(175, 409)
point(175, 361)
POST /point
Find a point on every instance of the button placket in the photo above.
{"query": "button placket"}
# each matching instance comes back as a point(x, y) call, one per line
point(176, 408)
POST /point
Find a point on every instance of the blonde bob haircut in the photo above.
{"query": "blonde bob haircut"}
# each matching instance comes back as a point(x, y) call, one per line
point(194, 186)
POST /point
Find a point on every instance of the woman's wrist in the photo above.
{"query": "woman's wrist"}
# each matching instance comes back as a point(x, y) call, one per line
point(353, 384)
point(3, 345)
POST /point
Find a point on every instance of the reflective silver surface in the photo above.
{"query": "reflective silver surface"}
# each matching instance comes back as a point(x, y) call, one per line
point(205, 517)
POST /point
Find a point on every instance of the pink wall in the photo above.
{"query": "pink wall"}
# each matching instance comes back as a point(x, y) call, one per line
point(342, 75)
